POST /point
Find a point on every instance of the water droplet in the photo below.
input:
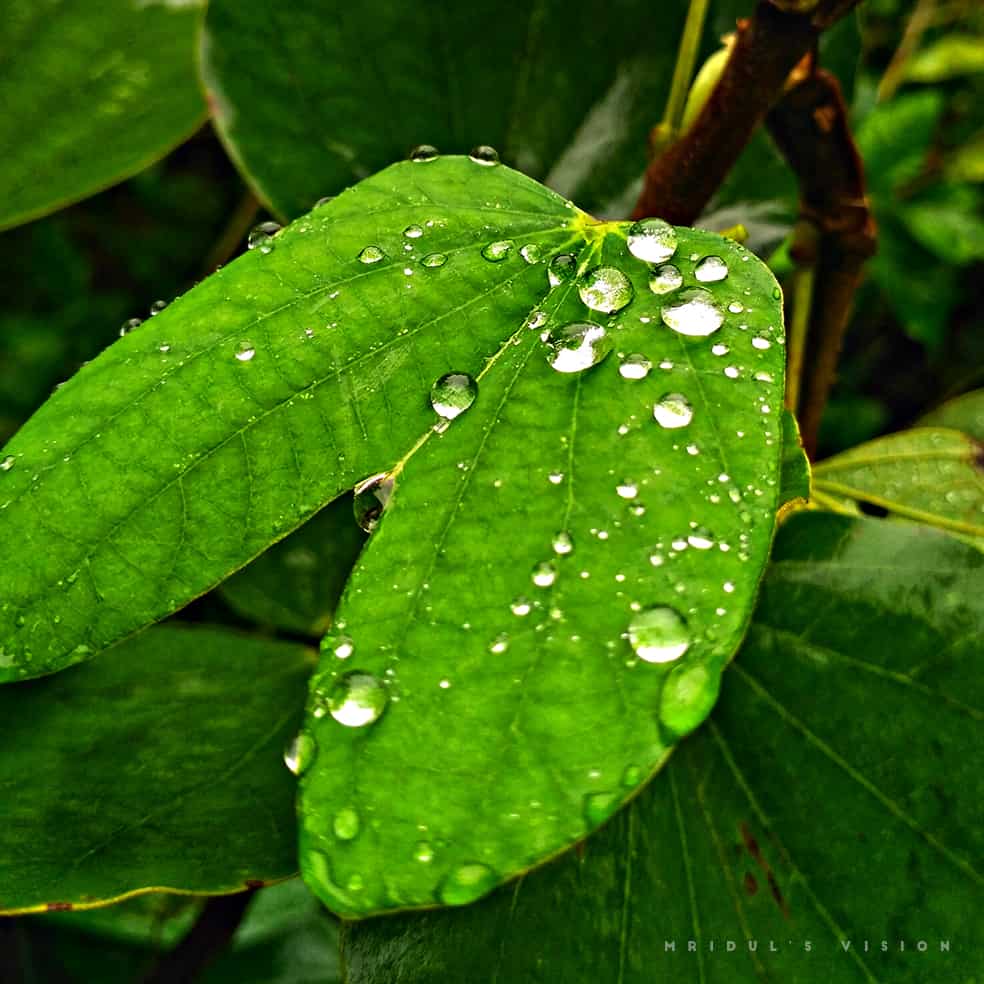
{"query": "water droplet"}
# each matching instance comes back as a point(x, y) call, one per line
point(341, 646)
point(453, 394)
point(466, 883)
point(652, 240)
point(719, 349)
point(164, 347)
point(701, 539)
point(635, 366)
point(544, 574)
point(131, 324)
point(577, 346)
point(694, 312)
point(423, 852)
point(659, 635)
point(483, 154)
point(324, 201)
point(424, 153)
point(261, 236)
point(555, 478)
point(627, 489)
point(496, 252)
point(434, 260)
point(673, 410)
point(521, 606)
point(632, 776)
point(371, 254)
point(562, 268)
point(666, 279)
point(688, 696)
point(245, 351)
point(345, 824)
point(371, 497)
point(761, 343)
point(598, 807)
point(300, 753)
point(357, 699)
point(732, 372)
point(7, 463)
point(710, 270)
point(499, 644)
point(562, 543)
point(736, 307)
point(605, 289)
point(157, 307)
point(530, 252)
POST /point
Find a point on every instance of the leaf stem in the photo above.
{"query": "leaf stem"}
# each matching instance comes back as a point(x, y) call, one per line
point(683, 71)
point(802, 301)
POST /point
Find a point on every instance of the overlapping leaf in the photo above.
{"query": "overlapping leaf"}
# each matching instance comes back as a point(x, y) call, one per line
point(831, 800)
point(90, 95)
point(157, 767)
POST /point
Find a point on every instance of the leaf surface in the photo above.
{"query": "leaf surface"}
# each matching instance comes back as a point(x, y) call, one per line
point(90, 95)
point(842, 749)
point(204, 713)
point(963, 413)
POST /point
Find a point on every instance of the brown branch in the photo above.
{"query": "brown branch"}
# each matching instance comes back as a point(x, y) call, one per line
point(680, 182)
point(809, 126)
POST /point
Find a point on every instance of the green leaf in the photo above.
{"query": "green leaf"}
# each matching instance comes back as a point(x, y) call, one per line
point(308, 103)
point(91, 95)
point(963, 413)
point(794, 478)
point(832, 797)
point(930, 475)
point(296, 584)
point(206, 714)
point(950, 57)
point(946, 222)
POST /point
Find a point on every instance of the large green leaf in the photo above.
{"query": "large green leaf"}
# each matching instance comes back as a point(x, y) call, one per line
point(931, 475)
point(309, 100)
point(159, 767)
point(90, 94)
point(830, 804)
point(963, 413)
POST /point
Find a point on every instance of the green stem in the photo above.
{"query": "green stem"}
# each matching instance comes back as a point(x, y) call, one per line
point(683, 71)
point(798, 331)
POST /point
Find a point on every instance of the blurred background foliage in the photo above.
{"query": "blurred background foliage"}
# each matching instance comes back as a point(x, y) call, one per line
point(70, 280)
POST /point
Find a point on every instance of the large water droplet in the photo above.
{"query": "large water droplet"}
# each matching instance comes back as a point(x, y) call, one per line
point(357, 699)
point(659, 635)
point(371, 254)
point(483, 154)
point(605, 289)
point(694, 312)
point(652, 240)
point(453, 394)
point(665, 279)
point(673, 410)
point(371, 496)
point(635, 366)
point(300, 752)
point(261, 236)
point(131, 324)
point(496, 252)
point(577, 346)
point(688, 696)
point(710, 270)
point(424, 153)
point(245, 351)
point(345, 824)
point(466, 883)
point(434, 260)
point(562, 268)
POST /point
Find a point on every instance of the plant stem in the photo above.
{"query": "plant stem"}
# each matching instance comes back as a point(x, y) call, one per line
point(920, 19)
point(802, 300)
point(683, 71)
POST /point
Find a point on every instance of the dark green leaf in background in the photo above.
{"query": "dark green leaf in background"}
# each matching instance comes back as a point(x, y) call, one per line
point(963, 413)
point(833, 796)
point(90, 94)
point(157, 766)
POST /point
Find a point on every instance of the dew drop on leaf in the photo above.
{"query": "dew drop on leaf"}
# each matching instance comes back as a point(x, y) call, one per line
point(605, 289)
point(694, 312)
point(357, 699)
point(710, 270)
point(598, 807)
point(666, 279)
point(424, 153)
point(131, 324)
point(652, 240)
point(371, 497)
point(659, 635)
point(423, 852)
point(701, 539)
point(544, 574)
point(453, 394)
point(761, 343)
point(496, 252)
point(340, 646)
point(521, 606)
point(561, 269)
point(632, 776)
point(634, 366)
point(530, 252)
point(261, 236)
point(345, 824)
point(7, 463)
point(673, 410)
point(562, 543)
point(466, 883)
point(157, 307)
point(688, 696)
point(413, 232)
point(245, 351)
point(434, 260)
point(577, 346)
point(371, 254)
point(300, 753)
point(483, 154)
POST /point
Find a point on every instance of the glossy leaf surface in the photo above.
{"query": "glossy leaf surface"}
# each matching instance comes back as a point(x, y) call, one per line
point(831, 799)
point(207, 714)
point(91, 94)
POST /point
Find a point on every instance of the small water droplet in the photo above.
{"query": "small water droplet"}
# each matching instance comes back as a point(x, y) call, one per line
point(245, 351)
point(423, 153)
point(521, 606)
point(413, 232)
point(131, 324)
point(561, 269)
point(544, 574)
point(466, 883)
point(423, 852)
point(659, 635)
point(736, 307)
point(530, 252)
point(666, 279)
point(562, 543)
point(577, 346)
point(627, 489)
point(652, 240)
point(157, 307)
point(483, 154)
point(701, 539)
point(632, 776)
point(324, 200)
point(300, 752)
point(694, 312)
point(7, 463)
point(340, 646)
point(496, 252)
point(345, 824)
point(761, 343)
point(598, 807)
point(719, 349)
point(605, 289)
point(434, 260)
point(555, 478)
point(710, 270)
point(261, 236)
point(371, 497)
point(371, 254)
point(453, 394)
point(634, 366)
point(732, 372)
point(499, 644)
point(673, 410)
point(357, 699)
